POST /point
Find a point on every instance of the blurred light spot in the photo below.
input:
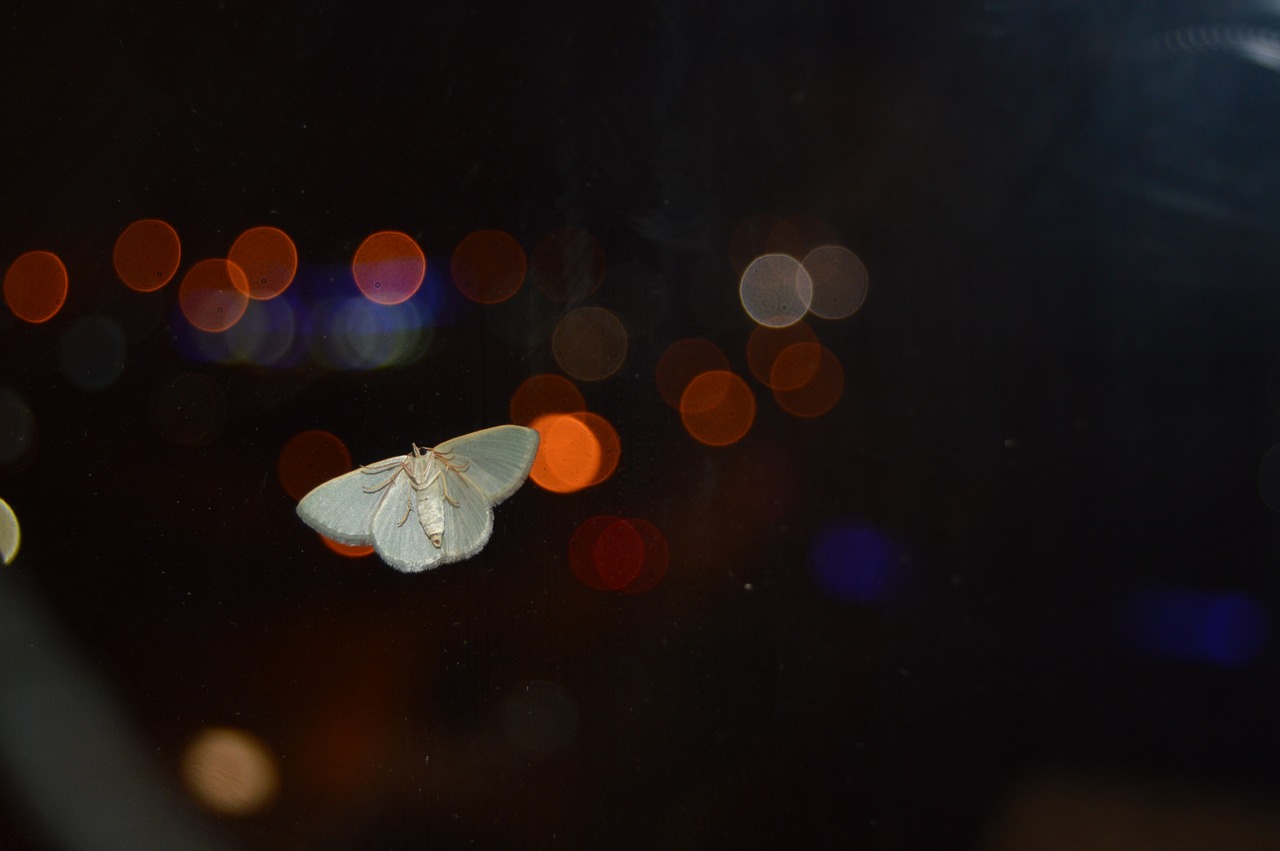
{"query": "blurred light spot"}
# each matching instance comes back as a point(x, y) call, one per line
point(147, 254)
point(268, 258)
point(684, 360)
point(612, 554)
point(35, 287)
point(589, 343)
point(347, 550)
point(749, 240)
point(852, 561)
point(717, 408)
point(230, 771)
point(567, 264)
point(389, 267)
point(820, 392)
point(1269, 478)
point(569, 454)
point(765, 344)
point(17, 430)
point(540, 717)
point(92, 352)
point(265, 335)
point(544, 394)
point(775, 290)
point(488, 266)
point(840, 281)
point(212, 295)
point(188, 409)
point(311, 458)
point(354, 333)
point(610, 446)
point(1196, 626)
point(10, 533)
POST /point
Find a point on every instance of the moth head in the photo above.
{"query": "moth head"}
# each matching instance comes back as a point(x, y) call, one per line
point(435, 539)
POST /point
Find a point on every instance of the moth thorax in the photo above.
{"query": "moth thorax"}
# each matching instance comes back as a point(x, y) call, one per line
point(431, 515)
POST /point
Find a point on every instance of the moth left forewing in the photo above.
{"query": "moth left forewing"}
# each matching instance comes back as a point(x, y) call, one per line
point(343, 508)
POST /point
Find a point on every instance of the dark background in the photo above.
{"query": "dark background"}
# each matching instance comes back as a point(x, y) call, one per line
point(1057, 399)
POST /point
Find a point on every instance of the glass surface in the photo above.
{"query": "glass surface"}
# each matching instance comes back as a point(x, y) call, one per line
point(907, 387)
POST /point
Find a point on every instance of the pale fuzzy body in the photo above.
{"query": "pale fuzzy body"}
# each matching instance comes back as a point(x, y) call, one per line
point(428, 508)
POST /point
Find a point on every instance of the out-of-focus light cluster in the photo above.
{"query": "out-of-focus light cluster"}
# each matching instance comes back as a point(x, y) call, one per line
point(1187, 625)
point(230, 771)
point(35, 286)
point(614, 554)
point(10, 533)
point(577, 449)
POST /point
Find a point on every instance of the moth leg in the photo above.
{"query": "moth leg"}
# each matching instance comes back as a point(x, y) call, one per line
point(384, 484)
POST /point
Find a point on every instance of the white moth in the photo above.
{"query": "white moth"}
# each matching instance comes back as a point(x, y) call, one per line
point(428, 508)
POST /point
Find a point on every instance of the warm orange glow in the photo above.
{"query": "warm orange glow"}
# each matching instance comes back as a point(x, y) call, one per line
point(717, 408)
point(589, 343)
point(607, 440)
point(389, 267)
point(269, 260)
point(765, 344)
point(35, 287)
point(618, 554)
point(568, 456)
point(488, 266)
point(348, 550)
point(309, 459)
point(567, 264)
point(656, 557)
point(684, 360)
point(544, 394)
point(212, 295)
point(230, 771)
point(820, 393)
point(146, 255)
point(582, 546)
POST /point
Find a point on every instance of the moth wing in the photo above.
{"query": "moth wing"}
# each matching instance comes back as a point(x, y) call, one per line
point(343, 509)
point(497, 461)
point(397, 532)
point(467, 525)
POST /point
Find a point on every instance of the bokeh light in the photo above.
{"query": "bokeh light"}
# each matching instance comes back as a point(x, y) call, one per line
point(765, 344)
point(17, 430)
point(266, 335)
point(569, 453)
point(544, 394)
point(775, 290)
point(567, 264)
point(35, 287)
point(807, 380)
point(840, 281)
point(147, 254)
point(589, 343)
point(230, 771)
point(853, 561)
point(717, 408)
point(268, 258)
point(1181, 624)
point(348, 550)
point(10, 533)
point(212, 295)
point(389, 267)
point(488, 266)
point(188, 409)
point(311, 458)
point(354, 333)
point(684, 360)
point(540, 717)
point(610, 553)
point(91, 352)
